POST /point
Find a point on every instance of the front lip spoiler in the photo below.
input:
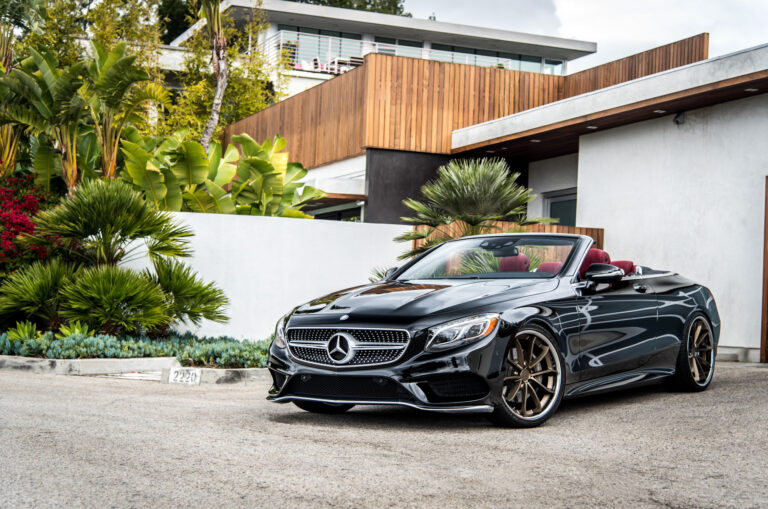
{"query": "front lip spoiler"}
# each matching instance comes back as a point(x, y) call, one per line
point(458, 409)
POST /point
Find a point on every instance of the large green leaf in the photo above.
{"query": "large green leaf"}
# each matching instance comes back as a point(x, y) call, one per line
point(190, 164)
point(150, 180)
point(46, 163)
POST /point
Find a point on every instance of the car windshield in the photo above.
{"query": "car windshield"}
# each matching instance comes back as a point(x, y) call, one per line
point(498, 257)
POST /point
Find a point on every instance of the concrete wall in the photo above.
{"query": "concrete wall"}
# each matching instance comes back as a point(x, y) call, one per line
point(551, 175)
point(267, 266)
point(689, 198)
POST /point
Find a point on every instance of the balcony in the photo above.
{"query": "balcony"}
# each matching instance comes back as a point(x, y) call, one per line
point(336, 55)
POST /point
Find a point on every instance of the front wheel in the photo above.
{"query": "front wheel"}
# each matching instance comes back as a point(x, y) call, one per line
point(322, 408)
point(696, 360)
point(533, 380)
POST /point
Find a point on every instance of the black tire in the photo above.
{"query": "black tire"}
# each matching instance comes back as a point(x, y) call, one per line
point(322, 408)
point(696, 361)
point(513, 398)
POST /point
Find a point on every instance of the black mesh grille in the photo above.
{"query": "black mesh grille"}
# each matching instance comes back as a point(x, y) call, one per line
point(363, 357)
point(345, 387)
point(459, 387)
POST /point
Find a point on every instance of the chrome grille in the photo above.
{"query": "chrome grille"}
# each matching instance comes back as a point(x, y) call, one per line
point(372, 346)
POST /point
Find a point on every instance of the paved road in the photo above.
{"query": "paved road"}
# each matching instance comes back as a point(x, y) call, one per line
point(96, 442)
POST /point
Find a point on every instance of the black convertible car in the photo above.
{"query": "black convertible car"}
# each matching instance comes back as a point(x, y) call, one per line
point(506, 325)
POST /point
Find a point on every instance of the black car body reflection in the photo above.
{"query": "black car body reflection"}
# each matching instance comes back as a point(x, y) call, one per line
point(587, 326)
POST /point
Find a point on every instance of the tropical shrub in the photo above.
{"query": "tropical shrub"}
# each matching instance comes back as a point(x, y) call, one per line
point(34, 292)
point(178, 175)
point(188, 298)
point(114, 300)
point(24, 331)
point(107, 222)
point(467, 198)
point(73, 328)
point(220, 352)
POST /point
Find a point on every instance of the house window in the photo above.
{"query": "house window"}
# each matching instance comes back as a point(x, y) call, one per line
point(561, 205)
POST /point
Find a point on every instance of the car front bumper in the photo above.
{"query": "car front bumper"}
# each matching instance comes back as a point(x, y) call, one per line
point(456, 381)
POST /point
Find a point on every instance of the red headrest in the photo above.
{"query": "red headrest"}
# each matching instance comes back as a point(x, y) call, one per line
point(551, 267)
point(625, 265)
point(519, 263)
point(593, 256)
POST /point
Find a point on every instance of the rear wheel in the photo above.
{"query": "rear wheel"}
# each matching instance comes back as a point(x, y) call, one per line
point(696, 360)
point(533, 380)
point(322, 408)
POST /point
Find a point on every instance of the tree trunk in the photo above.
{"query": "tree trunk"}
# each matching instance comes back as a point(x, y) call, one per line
point(221, 74)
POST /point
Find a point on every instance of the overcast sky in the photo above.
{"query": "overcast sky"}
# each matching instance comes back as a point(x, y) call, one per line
point(619, 27)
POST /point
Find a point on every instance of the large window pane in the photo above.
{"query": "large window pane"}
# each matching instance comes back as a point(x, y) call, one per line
point(530, 64)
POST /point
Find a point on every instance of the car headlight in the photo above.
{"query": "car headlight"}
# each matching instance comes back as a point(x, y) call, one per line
point(280, 333)
point(461, 332)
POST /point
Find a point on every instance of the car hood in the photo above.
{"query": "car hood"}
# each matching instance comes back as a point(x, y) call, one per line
point(417, 298)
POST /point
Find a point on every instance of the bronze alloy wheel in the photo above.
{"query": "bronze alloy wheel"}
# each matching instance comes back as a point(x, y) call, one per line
point(700, 350)
point(532, 375)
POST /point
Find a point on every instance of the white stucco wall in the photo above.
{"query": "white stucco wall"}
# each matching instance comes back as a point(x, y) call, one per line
point(689, 198)
point(267, 266)
point(551, 175)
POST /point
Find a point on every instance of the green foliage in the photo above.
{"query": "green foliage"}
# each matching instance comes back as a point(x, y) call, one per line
point(114, 300)
point(188, 298)
point(177, 175)
point(106, 222)
point(24, 331)
point(174, 14)
point(467, 198)
point(221, 352)
point(253, 83)
point(33, 291)
point(73, 328)
point(383, 6)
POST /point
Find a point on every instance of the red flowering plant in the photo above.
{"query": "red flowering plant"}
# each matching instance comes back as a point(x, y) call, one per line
point(20, 200)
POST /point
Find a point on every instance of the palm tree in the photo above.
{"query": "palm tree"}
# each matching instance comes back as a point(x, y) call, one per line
point(115, 99)
point(210, 10)
point(49, 103)
point(468, 197)
point(9, 134)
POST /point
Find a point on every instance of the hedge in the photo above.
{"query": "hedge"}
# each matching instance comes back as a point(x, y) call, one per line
point(222, 352)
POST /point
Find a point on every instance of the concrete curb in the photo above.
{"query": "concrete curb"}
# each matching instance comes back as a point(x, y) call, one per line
point(227, 376)
point(87, 366)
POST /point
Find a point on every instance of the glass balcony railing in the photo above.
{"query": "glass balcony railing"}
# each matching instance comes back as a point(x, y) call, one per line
point(335, 55)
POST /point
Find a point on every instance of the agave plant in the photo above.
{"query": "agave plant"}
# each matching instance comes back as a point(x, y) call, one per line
point(107, 222)
point(115, 98)
point(468, 197)
point(47, 101)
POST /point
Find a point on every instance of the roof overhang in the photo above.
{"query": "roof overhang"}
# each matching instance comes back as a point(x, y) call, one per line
point(388, 25)
point(554, 129)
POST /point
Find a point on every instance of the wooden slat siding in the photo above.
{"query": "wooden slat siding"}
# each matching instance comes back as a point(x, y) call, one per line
point(597, 234)
point(676, 54)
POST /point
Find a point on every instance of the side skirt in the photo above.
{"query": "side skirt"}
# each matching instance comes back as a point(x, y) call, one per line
point(617, 381)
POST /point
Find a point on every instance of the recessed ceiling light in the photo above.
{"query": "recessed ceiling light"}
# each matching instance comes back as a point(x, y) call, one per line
point(659, 111)
point(535, 141)
point(591, 127)
point(751, 90)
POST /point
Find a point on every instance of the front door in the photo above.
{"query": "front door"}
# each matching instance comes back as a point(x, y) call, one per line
point(618, 325)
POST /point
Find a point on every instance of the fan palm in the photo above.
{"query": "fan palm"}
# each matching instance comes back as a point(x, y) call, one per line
point(209, 9)
point(48, 102)
point(106, 222)
point(115, 98)
point(468, 197)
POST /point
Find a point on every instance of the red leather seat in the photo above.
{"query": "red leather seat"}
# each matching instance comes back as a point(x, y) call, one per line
point(551, 267)
point(519, 263)
point(627, 266)
point(593, 256)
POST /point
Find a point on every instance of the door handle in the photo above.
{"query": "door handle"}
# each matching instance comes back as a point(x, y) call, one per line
point(640, 288)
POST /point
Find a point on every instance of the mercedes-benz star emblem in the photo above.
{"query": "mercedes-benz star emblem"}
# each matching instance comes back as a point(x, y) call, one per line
point(341, 347)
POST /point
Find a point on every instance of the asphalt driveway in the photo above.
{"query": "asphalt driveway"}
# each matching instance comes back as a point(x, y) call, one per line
point(97, 442)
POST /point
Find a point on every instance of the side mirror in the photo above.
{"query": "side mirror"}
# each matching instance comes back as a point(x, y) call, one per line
point(603, 273)
point(390, 272)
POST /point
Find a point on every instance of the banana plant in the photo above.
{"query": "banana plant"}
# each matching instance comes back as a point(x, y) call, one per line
point(9, 133)
point(115, 98)
point(255, 180)
point(48, 101)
